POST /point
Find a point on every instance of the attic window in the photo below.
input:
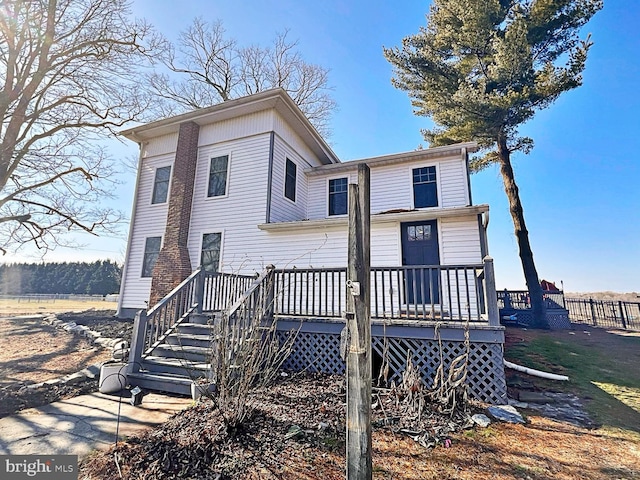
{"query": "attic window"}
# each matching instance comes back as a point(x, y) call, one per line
point(290, 181)
point(425, 190)
point(218, 176)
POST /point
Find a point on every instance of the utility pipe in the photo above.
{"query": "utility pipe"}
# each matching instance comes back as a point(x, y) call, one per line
point(534, 372)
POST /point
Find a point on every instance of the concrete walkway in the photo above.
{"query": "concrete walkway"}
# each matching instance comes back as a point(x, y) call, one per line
point(81, 424)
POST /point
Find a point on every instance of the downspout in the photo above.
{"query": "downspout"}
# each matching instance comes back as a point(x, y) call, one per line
point(270, 176)
point(133, 212)
point(465, 156)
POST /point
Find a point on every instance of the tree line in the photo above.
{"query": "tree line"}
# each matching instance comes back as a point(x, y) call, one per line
point(101, 277)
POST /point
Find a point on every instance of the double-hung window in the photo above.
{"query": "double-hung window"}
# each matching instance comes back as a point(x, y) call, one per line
point(218, 176)
point(210, 259)
point(290, 180)
point(338, 196)
point(161, 185)
point(425, 190)
point(151, 252)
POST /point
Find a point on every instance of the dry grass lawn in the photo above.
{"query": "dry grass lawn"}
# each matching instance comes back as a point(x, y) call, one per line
point(37, 306)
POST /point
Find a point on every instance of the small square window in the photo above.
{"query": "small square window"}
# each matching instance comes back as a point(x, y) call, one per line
point(211, 243)
point(338, 191)
point(218, 176)
point(290, 181)
point(161, 185)
point(151, 252)
point(425, 190)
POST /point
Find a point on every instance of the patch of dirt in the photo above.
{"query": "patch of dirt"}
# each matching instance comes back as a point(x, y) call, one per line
point(32, 351)
point(195, 444)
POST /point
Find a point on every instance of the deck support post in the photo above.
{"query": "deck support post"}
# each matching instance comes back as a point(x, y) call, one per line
point(359, 378)
point(490, 292)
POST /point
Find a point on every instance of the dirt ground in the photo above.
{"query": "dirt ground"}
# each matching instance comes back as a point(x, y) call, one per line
point(32, 351)
point(195, 443)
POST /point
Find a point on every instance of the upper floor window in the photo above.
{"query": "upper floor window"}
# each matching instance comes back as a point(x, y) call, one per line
point(151, 252)
point(210, 259)
point(161, 185)
point(425, 190)
point(218, 176)
point(290, 181)
point(338, 196)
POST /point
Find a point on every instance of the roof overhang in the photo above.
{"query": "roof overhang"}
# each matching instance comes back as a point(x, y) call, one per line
point(434, 153)
point(276, 98)
point(392, 217)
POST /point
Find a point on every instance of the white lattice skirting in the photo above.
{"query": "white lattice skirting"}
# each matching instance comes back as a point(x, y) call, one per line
point(320, 352)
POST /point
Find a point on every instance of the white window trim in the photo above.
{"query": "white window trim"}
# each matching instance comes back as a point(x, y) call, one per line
point(284, 181)
point(201, 241)
point(438, 185)
point(327, 213)
point(210, 156)
point(153, 185)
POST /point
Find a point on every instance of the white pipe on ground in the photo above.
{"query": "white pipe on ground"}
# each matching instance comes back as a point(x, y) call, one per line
point(534, 372)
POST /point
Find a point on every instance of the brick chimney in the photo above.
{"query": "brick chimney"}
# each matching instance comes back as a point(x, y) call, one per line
point(173, 264)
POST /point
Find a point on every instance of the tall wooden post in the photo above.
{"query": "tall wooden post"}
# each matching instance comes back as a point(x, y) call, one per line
point(359, 465)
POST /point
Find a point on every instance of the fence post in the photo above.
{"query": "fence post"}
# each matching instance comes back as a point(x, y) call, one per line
point(137, 341)
point(358, 345)
point(593, 313)
point(490, 292)
point(200, 290)
point(624, 323)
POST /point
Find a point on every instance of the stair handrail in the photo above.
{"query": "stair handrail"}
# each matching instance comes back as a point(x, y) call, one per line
point(152, 327)
point(257, 283)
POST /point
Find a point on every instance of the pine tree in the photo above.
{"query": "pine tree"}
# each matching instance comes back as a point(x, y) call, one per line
point(480, 69)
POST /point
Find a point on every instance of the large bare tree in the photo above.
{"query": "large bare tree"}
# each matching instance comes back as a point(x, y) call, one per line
point(67, 80)
point(206, 67)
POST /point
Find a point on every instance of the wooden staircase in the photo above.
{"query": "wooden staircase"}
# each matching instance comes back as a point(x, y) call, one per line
point(172, 343)
point(183, 357)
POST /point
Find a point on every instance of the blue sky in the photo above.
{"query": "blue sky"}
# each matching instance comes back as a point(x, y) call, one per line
point(580, 186)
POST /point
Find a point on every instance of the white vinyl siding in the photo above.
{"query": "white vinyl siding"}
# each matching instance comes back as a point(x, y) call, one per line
point(148, 221)
point(241, 210)
point(160, 146)
point(283, 209)
point(453, 183)
point(460, 245)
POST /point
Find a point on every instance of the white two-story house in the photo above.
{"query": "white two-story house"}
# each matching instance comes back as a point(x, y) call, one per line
point(248, 183)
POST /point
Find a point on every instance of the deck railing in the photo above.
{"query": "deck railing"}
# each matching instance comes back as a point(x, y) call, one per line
point(520, 300)
point(605, 313)
point(454, 293)
point(200, 291)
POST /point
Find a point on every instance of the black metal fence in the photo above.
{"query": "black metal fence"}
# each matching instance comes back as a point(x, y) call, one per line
point(604, 313)
point(519, 299)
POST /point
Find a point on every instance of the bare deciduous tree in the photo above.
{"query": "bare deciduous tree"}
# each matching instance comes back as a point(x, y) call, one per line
point(67, 80)
point(206, 67)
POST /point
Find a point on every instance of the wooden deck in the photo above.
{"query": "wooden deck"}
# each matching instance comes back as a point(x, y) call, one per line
point(460, 317)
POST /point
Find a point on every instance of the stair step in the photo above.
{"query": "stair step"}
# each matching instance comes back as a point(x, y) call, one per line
point(189, 339)
point(160, 383)
point(176, 366)
point(185, 352)
point(194, 329)
point(201, 318)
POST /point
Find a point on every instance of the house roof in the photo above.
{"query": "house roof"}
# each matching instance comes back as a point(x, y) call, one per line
point(276, 98)
point(426, 154)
